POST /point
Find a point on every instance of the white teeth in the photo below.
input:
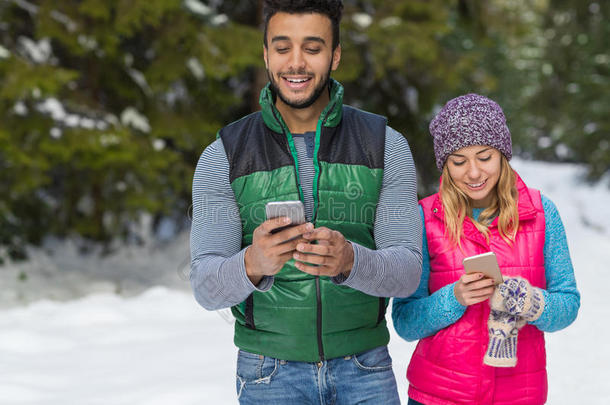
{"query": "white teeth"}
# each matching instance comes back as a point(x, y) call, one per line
point(297, 80)
point(476, 185)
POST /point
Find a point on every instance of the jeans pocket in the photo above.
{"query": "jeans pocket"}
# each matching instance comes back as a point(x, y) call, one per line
point(377, 359)
point(254, 368)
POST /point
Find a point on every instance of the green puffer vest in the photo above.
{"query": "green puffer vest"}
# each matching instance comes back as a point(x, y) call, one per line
point(304, 317)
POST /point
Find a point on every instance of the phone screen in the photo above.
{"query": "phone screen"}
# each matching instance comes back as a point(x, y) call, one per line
point(291, 209)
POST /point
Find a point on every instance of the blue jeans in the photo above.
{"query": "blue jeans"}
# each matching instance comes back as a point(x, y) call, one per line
point(365, 378)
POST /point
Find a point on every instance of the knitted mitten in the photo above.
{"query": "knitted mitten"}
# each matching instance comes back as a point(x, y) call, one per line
point(518, 297)
point(503, 330)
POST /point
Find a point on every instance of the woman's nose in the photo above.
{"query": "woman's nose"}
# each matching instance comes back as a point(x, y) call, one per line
point(473, 170)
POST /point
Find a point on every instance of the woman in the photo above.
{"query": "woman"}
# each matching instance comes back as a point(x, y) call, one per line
point(481, 344)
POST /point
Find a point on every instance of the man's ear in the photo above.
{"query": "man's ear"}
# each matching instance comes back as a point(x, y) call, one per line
point(265, 56)
point(336, 57)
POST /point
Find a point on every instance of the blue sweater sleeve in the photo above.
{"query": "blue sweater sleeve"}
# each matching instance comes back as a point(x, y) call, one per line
point(561, 297)
point(422, 314)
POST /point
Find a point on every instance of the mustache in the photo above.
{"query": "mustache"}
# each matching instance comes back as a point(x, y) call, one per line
point(296, 72)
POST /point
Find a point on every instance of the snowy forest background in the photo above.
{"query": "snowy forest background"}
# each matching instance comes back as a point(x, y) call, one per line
point(106, 105)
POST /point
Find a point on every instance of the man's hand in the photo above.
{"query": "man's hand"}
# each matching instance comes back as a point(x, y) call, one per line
point(269, 252)
point(332, 254)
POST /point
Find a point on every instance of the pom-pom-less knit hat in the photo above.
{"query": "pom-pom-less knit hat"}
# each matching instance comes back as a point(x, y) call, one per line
point(469, 120)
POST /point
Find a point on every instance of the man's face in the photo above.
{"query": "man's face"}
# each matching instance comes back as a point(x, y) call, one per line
point(299, 57)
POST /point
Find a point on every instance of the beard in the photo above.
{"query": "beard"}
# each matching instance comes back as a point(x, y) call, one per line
point(308, 101)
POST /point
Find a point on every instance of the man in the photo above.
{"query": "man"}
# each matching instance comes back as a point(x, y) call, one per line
point(309, 301)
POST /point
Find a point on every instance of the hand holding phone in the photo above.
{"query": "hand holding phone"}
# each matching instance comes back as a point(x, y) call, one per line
point(485, 263)
point(291, 209)
point(325, 253)
point(269, 250)
point(478, 284)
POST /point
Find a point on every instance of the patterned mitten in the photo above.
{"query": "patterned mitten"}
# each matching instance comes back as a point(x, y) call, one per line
point(519, 298)
point(503, 331)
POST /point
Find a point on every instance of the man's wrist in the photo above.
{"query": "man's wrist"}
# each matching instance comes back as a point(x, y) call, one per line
point(350, 259)
point(254, 278)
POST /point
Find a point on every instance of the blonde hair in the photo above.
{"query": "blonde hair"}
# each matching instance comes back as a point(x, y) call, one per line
point(457, 205)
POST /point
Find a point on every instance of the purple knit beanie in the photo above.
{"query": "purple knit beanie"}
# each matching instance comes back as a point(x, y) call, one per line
point(469, 120)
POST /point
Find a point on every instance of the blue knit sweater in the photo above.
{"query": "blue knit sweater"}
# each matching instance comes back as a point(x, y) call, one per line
point(422, 314)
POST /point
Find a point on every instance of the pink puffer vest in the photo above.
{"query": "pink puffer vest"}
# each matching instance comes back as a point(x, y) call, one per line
point(447, 368)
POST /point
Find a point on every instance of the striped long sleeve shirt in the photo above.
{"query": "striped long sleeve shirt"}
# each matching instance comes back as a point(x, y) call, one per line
point(218, 274)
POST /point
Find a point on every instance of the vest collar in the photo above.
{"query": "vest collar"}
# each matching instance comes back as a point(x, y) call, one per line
point(525, 206)
point(331, 116)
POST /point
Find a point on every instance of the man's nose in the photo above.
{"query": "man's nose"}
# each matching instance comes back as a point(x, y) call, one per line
point(297, 60)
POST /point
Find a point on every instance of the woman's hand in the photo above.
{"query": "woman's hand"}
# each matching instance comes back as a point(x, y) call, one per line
point(518, 297)
point(473, 288)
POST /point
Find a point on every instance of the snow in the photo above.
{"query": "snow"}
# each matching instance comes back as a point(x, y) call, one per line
point(196, 7)
point(56, 15)
point(389, 22)
point(72, 120)
point(59, 271)
point(158, 144)
point(131, 117)
point(109, 140)
point(160, 347)
point(4, 53)
point(38, 52)
point(139, 78)
point(19, 108)
point(87, 42)
point(219, 19)
point(70, 25)
point(29, 7)
point(87, 123)
point(56, 110)
point(544, 142)
point(55, 133)
point(196, 69)
point(362, 20)
point(104, 349)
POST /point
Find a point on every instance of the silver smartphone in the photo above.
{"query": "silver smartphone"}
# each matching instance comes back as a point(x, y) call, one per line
point(291, 209)
point(485, 263)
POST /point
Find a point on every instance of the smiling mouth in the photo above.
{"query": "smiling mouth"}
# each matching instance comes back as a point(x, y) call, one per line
point(296, 83)
point(302, 80)
point(477, 186)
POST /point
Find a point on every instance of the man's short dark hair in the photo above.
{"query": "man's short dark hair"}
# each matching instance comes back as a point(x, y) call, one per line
point(333, 9)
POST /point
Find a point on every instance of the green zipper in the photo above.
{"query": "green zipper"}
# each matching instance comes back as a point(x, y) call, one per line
point(293, 151)
point(316, 161)
point(316, 180)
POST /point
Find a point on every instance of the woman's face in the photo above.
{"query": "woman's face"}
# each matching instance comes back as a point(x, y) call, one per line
point(476, 171)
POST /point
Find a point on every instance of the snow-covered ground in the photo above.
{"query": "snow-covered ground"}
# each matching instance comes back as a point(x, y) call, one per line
point(160, 347)
point(59, 271)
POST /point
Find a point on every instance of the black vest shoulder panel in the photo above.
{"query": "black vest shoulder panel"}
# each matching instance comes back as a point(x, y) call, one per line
point(251, 147)
point(359, 139)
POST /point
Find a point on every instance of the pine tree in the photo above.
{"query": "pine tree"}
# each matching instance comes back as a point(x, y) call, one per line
point(106, 106)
